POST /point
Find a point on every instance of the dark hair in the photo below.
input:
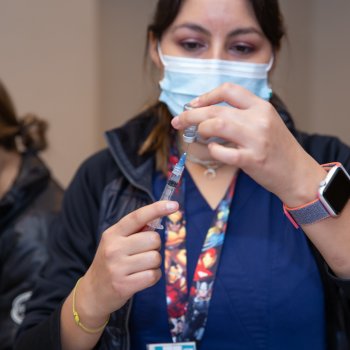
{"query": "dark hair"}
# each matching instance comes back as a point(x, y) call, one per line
point(270, 20)
point(19, 134)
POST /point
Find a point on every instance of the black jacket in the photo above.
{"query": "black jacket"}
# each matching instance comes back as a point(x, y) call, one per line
point(107, 187)
point(26, 212)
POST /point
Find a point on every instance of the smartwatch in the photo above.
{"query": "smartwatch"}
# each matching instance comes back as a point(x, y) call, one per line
point(333, 194)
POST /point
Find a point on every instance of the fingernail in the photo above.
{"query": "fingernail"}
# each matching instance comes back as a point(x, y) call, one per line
point(195, 102)
point(175, 122)
point(171, 205)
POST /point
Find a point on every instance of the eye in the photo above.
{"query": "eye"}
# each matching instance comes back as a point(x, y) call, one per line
point(242, 49)
point(192, 45)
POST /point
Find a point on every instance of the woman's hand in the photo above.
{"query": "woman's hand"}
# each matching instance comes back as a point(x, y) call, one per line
point(264, 147)
point(127, 261)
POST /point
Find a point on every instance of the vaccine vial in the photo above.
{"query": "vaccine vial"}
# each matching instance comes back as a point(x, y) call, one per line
point(190, 133)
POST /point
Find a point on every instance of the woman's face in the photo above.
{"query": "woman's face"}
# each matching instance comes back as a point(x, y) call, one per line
point(215, 29)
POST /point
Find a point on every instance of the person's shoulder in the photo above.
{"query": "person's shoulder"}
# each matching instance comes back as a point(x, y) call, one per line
point(50, 199)
point(89, 182)
point(325, 148)
point(145, 116)
point(101, 158)
point(99, 167)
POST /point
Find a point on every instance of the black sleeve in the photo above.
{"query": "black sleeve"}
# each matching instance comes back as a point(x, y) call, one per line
point(344, 284)
point(327, 149)
point(44, 335)
point(72, 246)
point(23, 255)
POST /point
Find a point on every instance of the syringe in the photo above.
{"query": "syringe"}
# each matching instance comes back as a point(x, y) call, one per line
point(172, 182)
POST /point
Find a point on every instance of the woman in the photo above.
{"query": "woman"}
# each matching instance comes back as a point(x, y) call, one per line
point(29, 199)
point(268, 284)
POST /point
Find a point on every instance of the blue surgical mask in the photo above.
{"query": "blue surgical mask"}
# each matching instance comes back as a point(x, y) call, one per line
point(186, 78)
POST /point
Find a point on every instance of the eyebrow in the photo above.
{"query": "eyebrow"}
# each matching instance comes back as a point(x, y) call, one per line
point(247, 30)
point(235, 32)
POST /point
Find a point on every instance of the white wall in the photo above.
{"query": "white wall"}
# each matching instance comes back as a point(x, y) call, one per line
point(330, 68)
point(291, 77)
point(125, 87)
point(49, 62)
point(314, 72)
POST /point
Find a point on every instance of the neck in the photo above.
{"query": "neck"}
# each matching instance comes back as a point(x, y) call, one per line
point(213, 188)
point(10, 162)
point(198, 153)
point(196, 149)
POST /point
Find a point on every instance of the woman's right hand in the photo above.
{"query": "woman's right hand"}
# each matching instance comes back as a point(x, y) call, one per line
point(127, 261)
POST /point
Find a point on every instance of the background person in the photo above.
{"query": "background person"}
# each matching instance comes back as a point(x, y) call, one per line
point(270, 286)
point(29, 199)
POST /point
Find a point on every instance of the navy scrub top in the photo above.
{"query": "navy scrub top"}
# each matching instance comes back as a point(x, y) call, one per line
point(268, 293)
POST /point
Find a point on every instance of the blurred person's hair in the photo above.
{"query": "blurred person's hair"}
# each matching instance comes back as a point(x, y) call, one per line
point(22, 134)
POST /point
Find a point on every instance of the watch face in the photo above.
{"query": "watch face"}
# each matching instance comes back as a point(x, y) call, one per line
point(337, 190)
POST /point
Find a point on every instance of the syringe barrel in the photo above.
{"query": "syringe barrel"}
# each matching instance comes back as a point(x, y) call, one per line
point(166, 195)
point(168, 190)
point(190, 133)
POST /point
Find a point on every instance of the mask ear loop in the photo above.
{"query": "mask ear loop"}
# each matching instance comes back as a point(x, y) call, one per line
point(270, 64)
point(268, 68)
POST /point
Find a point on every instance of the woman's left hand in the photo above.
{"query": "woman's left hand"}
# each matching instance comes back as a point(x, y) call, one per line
point(264, 147)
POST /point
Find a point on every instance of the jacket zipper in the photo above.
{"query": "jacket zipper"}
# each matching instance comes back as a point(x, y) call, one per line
point(126, 325)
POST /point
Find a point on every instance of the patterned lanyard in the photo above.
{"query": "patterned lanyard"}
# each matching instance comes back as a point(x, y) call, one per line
point(188, 313)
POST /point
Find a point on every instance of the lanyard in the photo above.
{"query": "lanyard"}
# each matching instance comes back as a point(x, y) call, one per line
point(188, 308)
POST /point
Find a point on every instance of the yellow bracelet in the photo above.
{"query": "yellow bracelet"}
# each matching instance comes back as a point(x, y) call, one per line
point(77, 318)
